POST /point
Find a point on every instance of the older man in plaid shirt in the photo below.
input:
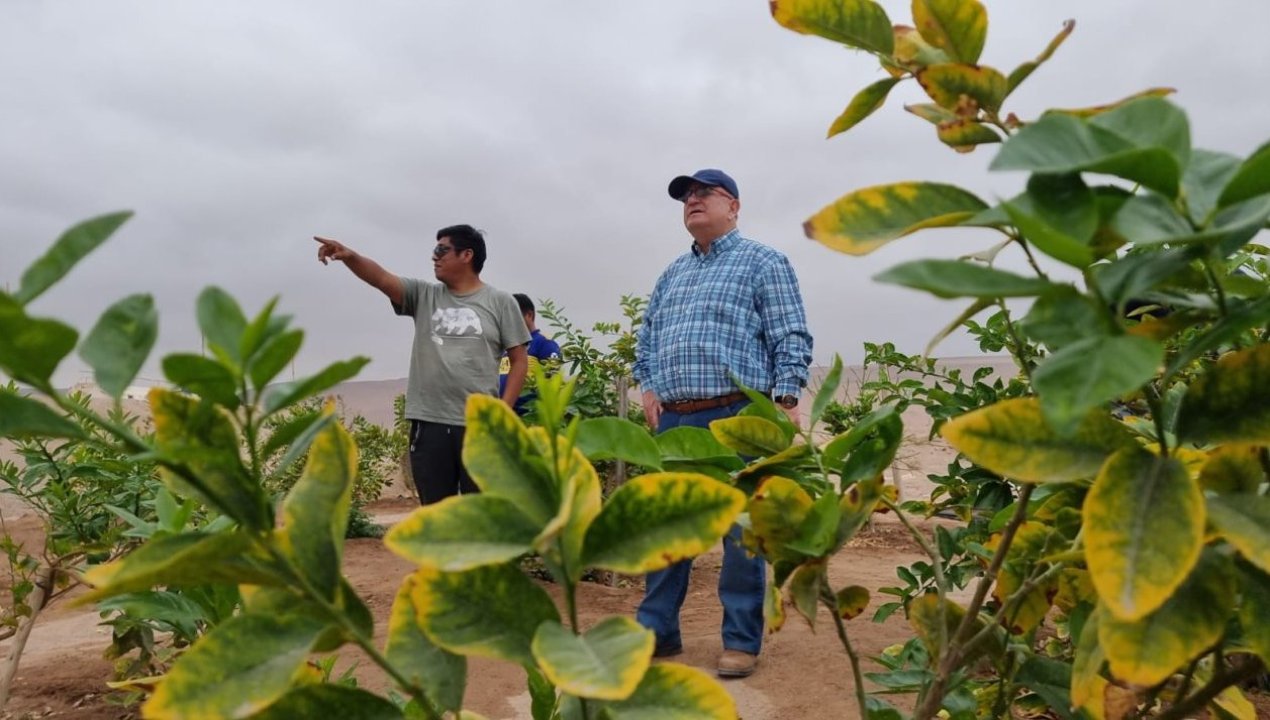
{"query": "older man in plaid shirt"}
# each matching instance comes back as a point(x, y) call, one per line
point(729, 307)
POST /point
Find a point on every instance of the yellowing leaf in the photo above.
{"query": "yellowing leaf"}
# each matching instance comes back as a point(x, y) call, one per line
point(1100, 109)
point(963, 134)
point(315, 511)
point(958, 27)
point(773, 609)
point(1244, 521)
point(864, 220)
point(750, 435)
point(804, 589)
point(1231, 401)
point(859, 24)
point(1144, 529)
point(1149, 649)
point(463, 532)
point(1021, 559)
point(851, 601)
point(1011, 438)
point(490, 611)
point(606, 662)
point(441, 674)
point(670, 691)
point(924, 615)
point(1233, 468)
point(504, 461)
point(963, 89)
point(658, 519)
point(777, 510)
point(862, 105)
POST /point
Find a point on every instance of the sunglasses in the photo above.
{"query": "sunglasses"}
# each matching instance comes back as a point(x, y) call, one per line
point(702, 192)
point(441, 251)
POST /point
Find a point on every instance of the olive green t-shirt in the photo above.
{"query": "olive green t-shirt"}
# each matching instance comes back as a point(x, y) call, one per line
point(458, 341)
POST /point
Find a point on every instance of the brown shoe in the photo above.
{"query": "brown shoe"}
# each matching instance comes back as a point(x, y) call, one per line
point(737, 664)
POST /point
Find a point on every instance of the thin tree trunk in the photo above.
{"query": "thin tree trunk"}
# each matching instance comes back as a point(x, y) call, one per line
point(9, 671)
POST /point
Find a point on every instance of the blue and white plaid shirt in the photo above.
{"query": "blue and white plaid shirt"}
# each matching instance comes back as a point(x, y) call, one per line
point(735, 310)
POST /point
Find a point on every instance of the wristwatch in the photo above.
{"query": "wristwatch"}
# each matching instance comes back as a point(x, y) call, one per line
point(789, 402)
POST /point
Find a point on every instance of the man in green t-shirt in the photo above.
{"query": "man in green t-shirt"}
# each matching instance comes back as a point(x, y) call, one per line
point(462, 327)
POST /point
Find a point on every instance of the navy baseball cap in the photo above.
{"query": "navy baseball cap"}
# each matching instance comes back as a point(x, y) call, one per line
point(709, 176)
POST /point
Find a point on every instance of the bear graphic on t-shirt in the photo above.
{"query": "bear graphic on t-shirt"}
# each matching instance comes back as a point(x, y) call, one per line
point(455, 322)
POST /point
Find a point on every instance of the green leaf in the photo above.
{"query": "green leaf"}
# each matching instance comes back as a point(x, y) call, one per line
point(463, 532)
point(883, 422)
point(32, 347)
point(1147, 650)
point(1130, 277)
point(1250, 180)
point(1012, 439)
point(442, 675)
point(753, 436)
point(864, 220)
point(202, 376)
point(1090, 372)
point(614, 438)
point(859, 24)
point(1062, 316)
point(949, 83)
point(315, 511)
point(670, 691)
point(1059, 143)
point(286, 433)
point(862, 105)
point(1231, 401)
point(240, 667)
point(503, 461)
point(1049, 240)
point(120, 342)
point(1050, 679)
point(1203, 180)
point(273, 357)
point(1144, 529)
point(958, 27)
point(1254, 610)
point(201, 438)
point(260, 329)
point(1150, 122)
point(222, 323)
point(956, 278)
point(1062, 202)
point(287, 394)
point(1025, 70)
point(804, 588)
point(606, 662)
point(186, 559)
point(693, 443)
point(658, 519)
point(66, 252)
point(1244, 520)
point(828, 388)
point(924, 616)
point(22, 418)
point(491, 611)
point(1240, 316)
point(332, 701)
point(819, 529)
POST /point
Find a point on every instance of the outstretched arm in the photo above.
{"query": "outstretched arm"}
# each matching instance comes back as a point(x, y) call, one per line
point(371, 272)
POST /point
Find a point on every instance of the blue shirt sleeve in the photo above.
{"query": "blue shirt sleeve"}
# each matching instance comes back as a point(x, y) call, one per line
point(785, 326)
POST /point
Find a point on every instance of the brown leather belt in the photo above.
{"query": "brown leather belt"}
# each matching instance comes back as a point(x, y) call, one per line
point(684, 407)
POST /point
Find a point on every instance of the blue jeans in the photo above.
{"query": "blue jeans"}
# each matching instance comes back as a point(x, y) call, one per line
point(741, 581)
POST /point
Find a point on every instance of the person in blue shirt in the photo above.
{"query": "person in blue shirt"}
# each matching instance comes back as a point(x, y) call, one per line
point(540, 348)
point(729, 307)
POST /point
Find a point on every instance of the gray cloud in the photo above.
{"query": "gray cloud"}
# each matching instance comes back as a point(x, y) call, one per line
point(237, 130)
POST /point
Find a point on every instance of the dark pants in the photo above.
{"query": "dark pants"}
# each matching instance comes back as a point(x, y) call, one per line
point(436, 461)
point(741, 581)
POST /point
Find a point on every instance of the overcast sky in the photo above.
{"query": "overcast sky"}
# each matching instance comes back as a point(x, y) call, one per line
point(237, 130)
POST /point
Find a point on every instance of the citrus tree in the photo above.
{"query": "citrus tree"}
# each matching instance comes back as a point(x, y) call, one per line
point(1138, 457)
point(215, 444)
